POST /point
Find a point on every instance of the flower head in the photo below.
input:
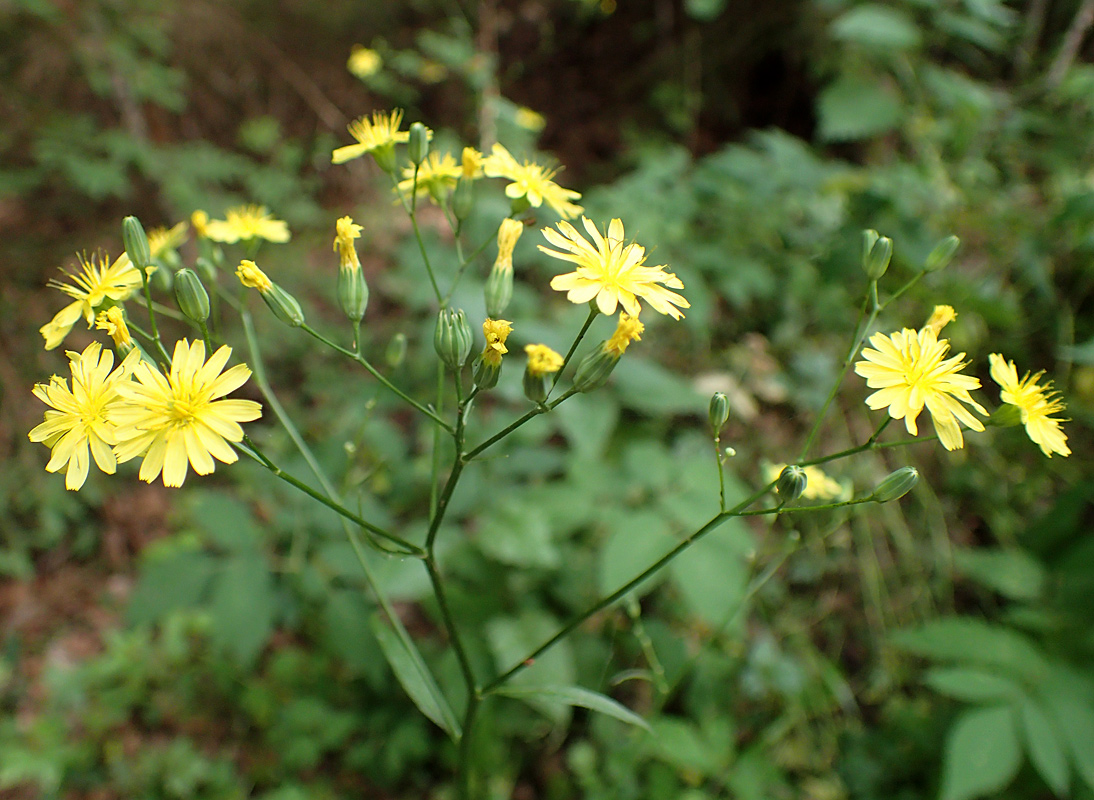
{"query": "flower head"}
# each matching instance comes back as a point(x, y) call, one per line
point(508, 236)
point(363, 62)
point(94, 285)
point(200, 222)
point(180, 418)
point(79, 420)
point(113, 322)
point(246, 223)
point(251, 276)
point(532, 182)
point(346, 230)
point(470, 164)
point(542, 360)
point(940, 318)
point(382, 131)
point(818, 484)
point(437, 176)
point(627, 330)
point(160, 240)
point(1036, 404)
point(611, 271)
point(529, 120)
point(496, 332)
point(910, 370)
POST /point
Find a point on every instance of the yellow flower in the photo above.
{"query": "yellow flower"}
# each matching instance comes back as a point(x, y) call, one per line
point(346, 230)
point(437, 176)
point(496, 332)
point(162, 239)
point(627, 330)
point(113, 322)
point(471, 163)
point(252, 277)
point(940, 318)
point(542, 360)
point(80, 419)
point(910, 370)
point(818, 485)
point(532, 182)
point(382, 131)
point(1036, 404)
point(181, 418)
point(529, 120)
point(94, 285)
point(612, 271)
point(245, 223)
point(363, 62)
point(508, 235)
point(200, 220)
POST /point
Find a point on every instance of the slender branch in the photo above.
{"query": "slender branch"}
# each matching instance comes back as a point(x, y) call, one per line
point(593, 312)
point(152, 319)
point(512, 426)
point(1073, 40)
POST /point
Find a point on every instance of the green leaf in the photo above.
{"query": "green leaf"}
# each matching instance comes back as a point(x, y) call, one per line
point(413, 675)
point(1045, 749)
point(679, 742)
point(243, 605)
point(982, 754)
point(973, 641)
point(877, 27)
point(577, 696)
point(226, 522)
point(178, 580)
point(650, 388)
point(588, 421)
point(1072, 703)
point(854, 108)
point(972, 685)
point(1013, 573)
point(712, 575)
point(518, 534)
point(637, 540)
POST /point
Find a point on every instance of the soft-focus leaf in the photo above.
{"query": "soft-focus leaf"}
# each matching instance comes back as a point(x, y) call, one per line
point(242, 603)
point(982, 754)
point(964, 639)
point(972, 685)
point(576, 696)
point(1044, 745)
point(878, 27)
point(1013, 573)
point(857, 108)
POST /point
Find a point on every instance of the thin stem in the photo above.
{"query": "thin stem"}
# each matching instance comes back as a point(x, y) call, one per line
point(450, 625)
point(896, 296)
point(411, 210)
point(465, 262)
point(783, 509)
point(593, 312)
point(473, 702)
point(152, 319)
point(721, 472)
point(377, 375)
point(512, 426)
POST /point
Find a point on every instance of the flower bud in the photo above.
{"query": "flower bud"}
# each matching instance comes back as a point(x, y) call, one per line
point(869, 239)
point(896, 485)
point(384, 156)
point(593, 370)
point(876, 261)
point(1006, 416)
point(136, 243)
point(418, 143)
point(352, 293)
point(453, 338)
point(192, 298)
point(791, 483)
point(396, 350)
point(942, 253)
point(542, 361)
point(463, 199)
point(485, 373)
point(719, 411)
point(498, 291)
point(205, 268)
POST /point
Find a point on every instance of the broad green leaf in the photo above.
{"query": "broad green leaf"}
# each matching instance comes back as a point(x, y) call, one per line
point(577, 696)
point(1013, 573)
point(877, 27)
point(517, 534)
point(413, 675)
point(857, 108)
point(712, 575)
point(243, 605)
point(972, 685)
point(177, 580)
point(1045, 749)
point(973, 641)
point(513, 638)
point(1072, 703)
point(650, 388)
point(588, 421)
point(680, 743)
point(637, 540)
point(982, 754)
point(226, 522)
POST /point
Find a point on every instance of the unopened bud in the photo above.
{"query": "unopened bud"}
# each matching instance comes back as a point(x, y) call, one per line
point(485, 373)
point(205, 268)
point(452, 338)
point(396, 350)
point(192, 298)
point(876, 261)
point(791, 483)
point(136, 243)
point(719, 411)
point(463, 199)
point(593, 370)
point(352, 293)
point(942, 253)
point(498, 291)
point(284, 306)
point(418, 143)
point(896, 485)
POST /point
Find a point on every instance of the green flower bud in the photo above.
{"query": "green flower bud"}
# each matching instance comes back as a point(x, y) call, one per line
point(136, 242)
point(463, 199)
point(192, 298)
point(352, 293)
point(498, 292)
point(385, 157)
point(453, 338)
point(396, 350)
point(719, 411)
point(1006, 416)
point(206, 269)
point(535, 387)
point(485, 373)
point(942, 253)
point(418, 143)
point(594, 369)
point(877, 260)
point(791, 483)
point(283, 305)
point(869, 239)
point(518, 206)
point(896, 485)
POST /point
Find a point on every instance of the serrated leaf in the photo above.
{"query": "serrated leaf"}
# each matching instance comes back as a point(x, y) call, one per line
point(1045, 748)
point(415, 678)
point(242, 603)
point(973, 641)
point(877, 27)
point(576, 696)
point(982, 754)
point(1013, 573)
point(972, 685)
point(854, 108)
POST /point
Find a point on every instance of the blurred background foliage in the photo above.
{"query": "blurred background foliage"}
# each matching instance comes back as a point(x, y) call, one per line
point(216, 643)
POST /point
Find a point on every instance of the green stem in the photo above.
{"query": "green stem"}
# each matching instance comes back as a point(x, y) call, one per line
point(512, 426)
point(152, 321)
point(450, 625)
point(465, 775)
point(411, 210)
point(721, 472)
point(593, 312)
point(784, 509)
point(464, 263)
point(376, 374)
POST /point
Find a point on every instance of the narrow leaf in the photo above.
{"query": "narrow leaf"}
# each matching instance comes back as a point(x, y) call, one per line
point(576, 696)
point(1045, 749)
point(416, 679)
